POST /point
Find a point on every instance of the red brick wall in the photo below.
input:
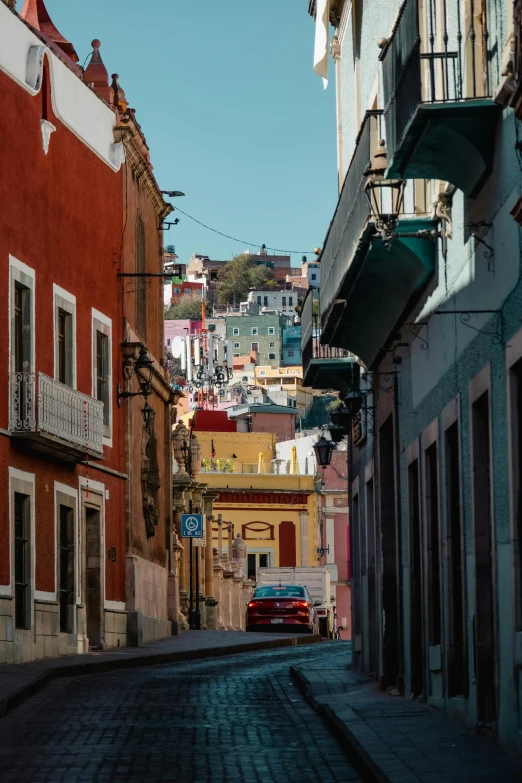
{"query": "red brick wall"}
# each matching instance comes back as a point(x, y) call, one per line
point(280, 424)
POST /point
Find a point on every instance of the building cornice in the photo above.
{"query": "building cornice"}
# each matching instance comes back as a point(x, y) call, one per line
point(133, 143)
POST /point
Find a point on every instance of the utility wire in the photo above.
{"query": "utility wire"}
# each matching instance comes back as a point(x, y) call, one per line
point(235, 239)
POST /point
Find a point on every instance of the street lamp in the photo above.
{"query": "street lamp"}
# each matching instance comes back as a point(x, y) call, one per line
point(172, 193)
point(147, 412)
point(144, 369)
point(353, 402)
point(323, 451)
point(376, 189)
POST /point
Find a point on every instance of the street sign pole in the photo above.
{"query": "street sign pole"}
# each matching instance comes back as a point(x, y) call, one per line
point(191, 607)
point(197, 613)
point(192, 527)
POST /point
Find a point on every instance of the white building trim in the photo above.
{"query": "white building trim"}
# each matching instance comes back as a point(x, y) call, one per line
point(101, 323)
point(21, 273)
point(90, 119)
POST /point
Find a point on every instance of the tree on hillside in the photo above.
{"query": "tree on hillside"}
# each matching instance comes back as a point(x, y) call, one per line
point(173, 367)
point(187, 308)
point(238, 276)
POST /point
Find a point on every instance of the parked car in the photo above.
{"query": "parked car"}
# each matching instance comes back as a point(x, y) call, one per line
point(282, 607)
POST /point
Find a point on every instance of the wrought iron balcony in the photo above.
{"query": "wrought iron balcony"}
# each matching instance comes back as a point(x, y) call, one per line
point(367, 286)
point(324, 367)
point(48, 416)
point(440, 119)
point(516, 98)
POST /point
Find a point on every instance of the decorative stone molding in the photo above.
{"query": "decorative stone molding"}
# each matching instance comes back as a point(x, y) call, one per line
point(131, 351)
point(127, 136)
point(335, 48)
point(117, 155)
point(47, 129)
point(150, 481)
point(180, 443)
point(443, 206)
point(160, 387)
point(194, 457)
point(35, 58)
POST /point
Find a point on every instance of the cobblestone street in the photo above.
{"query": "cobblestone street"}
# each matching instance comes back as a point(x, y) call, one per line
point(225, 721)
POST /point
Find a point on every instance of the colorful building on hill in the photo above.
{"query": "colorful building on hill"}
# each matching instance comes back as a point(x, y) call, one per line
point(286, 379)
point(272, 507)
point(259, 334)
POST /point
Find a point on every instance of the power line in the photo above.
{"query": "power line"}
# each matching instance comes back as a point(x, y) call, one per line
point(243, 241)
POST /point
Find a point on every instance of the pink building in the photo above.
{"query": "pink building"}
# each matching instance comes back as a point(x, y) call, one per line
point(335, 536)
point(179, 328)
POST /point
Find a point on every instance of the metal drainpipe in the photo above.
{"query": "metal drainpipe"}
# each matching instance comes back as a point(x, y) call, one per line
point(400, 683)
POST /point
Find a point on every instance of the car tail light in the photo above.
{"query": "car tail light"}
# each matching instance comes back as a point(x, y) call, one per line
point(251, 604)
point(303, 604)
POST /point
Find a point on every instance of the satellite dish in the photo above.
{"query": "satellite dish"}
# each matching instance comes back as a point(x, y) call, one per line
point(177, 347)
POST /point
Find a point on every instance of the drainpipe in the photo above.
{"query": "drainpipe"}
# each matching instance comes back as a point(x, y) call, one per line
point(400, 677)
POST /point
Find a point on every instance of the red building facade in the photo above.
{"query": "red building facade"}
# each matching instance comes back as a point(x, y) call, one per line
point(64, 456)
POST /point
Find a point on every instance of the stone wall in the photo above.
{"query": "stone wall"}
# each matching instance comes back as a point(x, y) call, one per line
point(43, 640)
point(232, 593)
point(115, 629)
point(147, 587)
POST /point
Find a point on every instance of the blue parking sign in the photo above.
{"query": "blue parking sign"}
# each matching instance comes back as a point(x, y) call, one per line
point(192, 525)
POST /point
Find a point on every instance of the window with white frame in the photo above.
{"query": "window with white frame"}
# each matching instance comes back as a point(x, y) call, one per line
point(262, 372)
point(255, 330)
point(22, 400)
point(66, 530)
point(235, 332)
point(21, 504)
point(271, 356)
point(102, 368)
point(271, 344)
point(64, 336)
point(21, 306)
point(237, 345)
point(271, 330)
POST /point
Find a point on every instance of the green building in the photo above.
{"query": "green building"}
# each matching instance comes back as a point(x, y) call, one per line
point(261, 333)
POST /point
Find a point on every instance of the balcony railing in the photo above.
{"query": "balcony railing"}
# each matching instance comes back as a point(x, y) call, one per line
point(351, 214)
point(437, 56)
point(55, 410)
point(274, 468)
point(314, 373)
point(516, 98)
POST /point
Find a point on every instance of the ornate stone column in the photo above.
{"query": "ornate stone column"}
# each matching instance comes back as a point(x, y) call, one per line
point(230, 531)
point(220, 535)
point(218, 590)
point(227, 600)
point(179, 509)
point(210, 599)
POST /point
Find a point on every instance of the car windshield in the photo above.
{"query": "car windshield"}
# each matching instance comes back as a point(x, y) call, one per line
point(280, 591)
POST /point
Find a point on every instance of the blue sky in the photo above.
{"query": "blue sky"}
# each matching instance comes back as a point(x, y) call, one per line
point(232, 111)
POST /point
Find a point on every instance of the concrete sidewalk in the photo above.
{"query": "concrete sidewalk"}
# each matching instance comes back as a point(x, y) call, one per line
point(390, 739)
point(20, 681)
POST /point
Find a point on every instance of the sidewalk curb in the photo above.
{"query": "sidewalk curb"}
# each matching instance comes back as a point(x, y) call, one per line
point(16, 697)
point(357, 755)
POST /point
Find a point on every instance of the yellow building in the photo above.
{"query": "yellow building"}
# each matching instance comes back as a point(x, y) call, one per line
point(274, 511)
point(286, 379)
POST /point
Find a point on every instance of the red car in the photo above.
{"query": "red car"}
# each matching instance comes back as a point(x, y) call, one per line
point(283, 608)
